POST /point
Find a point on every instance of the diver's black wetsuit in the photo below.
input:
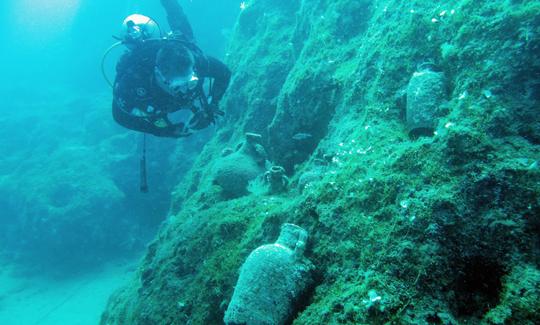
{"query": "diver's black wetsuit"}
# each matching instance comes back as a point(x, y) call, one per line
point(140, 104)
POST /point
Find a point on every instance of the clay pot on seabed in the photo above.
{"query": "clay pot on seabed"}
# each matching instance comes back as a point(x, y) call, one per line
point(271, 280)
point(425, 93)
point(237, 168)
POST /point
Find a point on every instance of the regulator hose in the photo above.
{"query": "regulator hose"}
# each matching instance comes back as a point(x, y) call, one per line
point(112, 47)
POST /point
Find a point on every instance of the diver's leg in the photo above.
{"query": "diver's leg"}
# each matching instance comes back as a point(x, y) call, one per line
point(177, 19)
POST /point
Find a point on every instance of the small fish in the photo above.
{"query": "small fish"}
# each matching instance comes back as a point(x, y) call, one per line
point(534, 165)
point(302, 136)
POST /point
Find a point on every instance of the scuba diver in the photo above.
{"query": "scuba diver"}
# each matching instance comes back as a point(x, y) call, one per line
point(166, 86)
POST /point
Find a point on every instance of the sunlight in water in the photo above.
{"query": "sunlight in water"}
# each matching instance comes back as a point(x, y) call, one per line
point(44, 18)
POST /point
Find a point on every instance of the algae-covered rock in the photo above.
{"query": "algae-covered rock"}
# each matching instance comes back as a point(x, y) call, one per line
point(403, 230)
point(305, 106)
point(520, 292)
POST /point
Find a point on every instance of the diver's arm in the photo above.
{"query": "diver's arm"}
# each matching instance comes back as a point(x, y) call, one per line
point(208, 67)
point(177, 19)
point(221, 75)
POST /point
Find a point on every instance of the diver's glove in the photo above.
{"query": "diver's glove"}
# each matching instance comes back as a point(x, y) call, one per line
point(180, 130)
point(216, 111)
point(200, 120)
point(204, 117)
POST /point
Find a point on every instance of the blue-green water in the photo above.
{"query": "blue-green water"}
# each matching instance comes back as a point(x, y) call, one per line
point(377, 163)
point(72, 218)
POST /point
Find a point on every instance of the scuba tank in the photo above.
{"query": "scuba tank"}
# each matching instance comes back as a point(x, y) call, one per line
point(136, 29)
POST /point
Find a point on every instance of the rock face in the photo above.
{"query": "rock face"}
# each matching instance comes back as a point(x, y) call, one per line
point(401, 228)
point(271, 281)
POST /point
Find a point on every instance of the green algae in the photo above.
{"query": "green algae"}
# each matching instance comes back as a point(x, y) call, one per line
point(519, 294)
point(414, 222)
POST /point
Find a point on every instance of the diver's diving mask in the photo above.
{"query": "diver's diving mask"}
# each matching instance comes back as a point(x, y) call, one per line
point(176, 85)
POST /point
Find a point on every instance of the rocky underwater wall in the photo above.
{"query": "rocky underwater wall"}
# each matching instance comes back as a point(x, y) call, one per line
point(401, 136)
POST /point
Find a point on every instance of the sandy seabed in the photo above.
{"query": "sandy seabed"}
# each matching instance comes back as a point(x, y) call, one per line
point(79, 300)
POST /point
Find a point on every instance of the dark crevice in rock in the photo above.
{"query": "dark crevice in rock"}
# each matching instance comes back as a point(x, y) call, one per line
point(477, 286)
